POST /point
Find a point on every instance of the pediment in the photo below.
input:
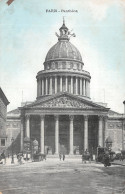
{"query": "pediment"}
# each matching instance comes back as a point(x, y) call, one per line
point(65, 101)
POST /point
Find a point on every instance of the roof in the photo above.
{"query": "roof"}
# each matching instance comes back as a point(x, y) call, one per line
point(63, 101)
point(63, 50)
point(3, 97)
point(13, 113)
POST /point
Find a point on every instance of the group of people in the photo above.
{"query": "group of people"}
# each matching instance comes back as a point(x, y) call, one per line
point(61, 156)
point(3, 158)
point(20, 157)
point(86, 156)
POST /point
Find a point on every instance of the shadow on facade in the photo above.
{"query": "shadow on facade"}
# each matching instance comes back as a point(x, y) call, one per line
point(15, 146)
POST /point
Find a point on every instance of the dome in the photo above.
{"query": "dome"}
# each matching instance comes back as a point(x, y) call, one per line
point(63, 49)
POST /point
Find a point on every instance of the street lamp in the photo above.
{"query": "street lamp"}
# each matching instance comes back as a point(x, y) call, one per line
point(12, 161)
point(108, 142)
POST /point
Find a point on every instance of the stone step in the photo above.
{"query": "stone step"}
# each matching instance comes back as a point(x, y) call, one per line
point(67, 156)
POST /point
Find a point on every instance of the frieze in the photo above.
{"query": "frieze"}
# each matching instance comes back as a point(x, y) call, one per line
point(114, 125)
point(110, 126)
point(65, 102)
point(119, 125)
point(59, 65)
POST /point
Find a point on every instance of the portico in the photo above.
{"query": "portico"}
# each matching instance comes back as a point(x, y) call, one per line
point(82, 128)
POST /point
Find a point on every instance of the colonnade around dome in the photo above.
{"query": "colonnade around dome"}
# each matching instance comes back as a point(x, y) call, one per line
point(55, 84)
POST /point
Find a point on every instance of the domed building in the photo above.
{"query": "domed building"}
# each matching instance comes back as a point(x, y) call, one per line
point(63, 115)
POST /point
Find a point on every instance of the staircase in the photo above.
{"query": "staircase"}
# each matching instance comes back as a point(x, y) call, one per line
point(67, 156)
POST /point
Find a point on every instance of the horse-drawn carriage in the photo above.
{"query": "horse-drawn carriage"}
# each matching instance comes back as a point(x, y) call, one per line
point(105, 156)
point(39, 157)
point(86, 156)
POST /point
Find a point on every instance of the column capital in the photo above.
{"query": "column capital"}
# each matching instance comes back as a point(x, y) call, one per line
point(56, 117)
point(71, 117)
point(105, 118)
point(27, 116)
point(42, 117)
point(86, 117)
point(22, 118)
point(100, 117)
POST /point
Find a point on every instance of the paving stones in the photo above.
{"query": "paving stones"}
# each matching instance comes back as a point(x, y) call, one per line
point(61, 177)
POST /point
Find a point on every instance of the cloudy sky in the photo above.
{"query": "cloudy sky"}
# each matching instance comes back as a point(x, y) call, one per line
point(27, 32)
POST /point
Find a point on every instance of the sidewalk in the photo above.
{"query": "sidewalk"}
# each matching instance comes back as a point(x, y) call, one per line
point(118, 162)
point(8, 162)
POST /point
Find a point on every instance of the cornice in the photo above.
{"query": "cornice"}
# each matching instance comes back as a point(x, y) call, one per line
point(63, 59)
point(65, 73)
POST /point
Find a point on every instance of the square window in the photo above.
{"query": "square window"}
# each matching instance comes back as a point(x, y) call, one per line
point(2, 142)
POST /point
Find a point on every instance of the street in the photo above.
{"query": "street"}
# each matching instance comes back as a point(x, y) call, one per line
point(61, 177)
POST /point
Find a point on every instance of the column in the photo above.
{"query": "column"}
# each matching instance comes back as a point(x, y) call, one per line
point(60, 83)
point(50, 86)
point(66, 84)
point(88, 89)
point(100, 132)
point(42, 134)
point(83, 87)
point(71, 85)
point(21, 132)
point(105, 135)
point(124, 106)
point(37, 88)
point(123, 134)
point(71, 135)
point(56, 134)
point(76, 85)
point(28, 126)
point(42, 86)
point(46, 85)
point(85, 132)
point(84, 83)
point(55, 84)
point(80, 86)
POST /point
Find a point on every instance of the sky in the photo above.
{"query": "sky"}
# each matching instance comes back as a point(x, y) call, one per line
point(27, 32)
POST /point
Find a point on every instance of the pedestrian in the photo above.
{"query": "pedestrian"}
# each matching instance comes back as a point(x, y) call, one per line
point(86, 156)
point(19, 157)
point(63, 157)
point(60, 156)
point(3, 157)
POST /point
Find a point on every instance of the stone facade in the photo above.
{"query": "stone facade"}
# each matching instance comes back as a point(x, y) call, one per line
point(13, 126)
point(63, 115)
point(116, 130)
point(3, 111)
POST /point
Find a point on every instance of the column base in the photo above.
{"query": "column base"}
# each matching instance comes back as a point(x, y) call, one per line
point(56, 154)
point(71, 153)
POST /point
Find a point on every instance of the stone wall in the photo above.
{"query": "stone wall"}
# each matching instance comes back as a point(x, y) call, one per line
point(115, 131)
point(12, 129)
point(3, 110)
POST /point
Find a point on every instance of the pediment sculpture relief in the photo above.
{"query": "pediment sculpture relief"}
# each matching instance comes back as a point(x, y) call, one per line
point(65, 102)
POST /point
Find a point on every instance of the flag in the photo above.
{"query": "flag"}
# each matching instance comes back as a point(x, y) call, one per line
point(56, 34)
point(9, 2)
point(73, 35)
